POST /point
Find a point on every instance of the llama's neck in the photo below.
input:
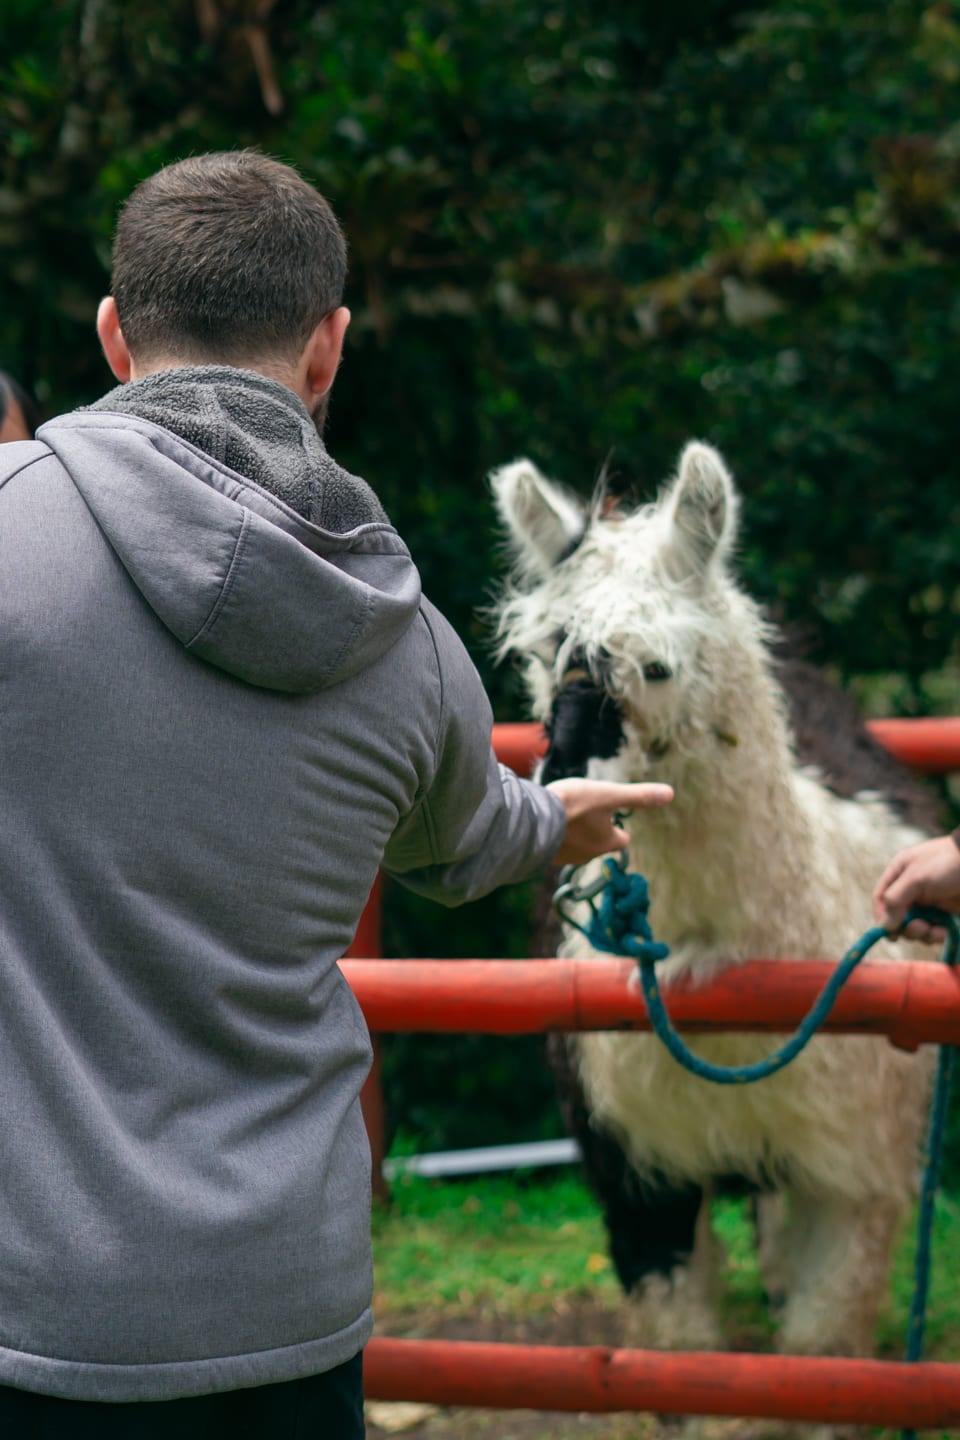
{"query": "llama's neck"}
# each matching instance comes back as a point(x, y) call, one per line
point(736, 840)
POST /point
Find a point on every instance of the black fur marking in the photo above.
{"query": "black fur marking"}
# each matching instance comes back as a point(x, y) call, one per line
point(585, 723)
point(651, 1226)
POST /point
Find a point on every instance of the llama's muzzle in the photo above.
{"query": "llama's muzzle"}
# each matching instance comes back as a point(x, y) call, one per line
point(585, 724)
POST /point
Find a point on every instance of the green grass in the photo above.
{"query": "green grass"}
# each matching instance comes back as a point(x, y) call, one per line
point(490, 1244)
point(943, 1308)
point(516, 1248)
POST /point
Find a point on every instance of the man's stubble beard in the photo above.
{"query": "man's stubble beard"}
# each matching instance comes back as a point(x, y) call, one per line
point(319, 413)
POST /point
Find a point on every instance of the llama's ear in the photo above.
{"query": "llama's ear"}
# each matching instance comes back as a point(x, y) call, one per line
point(543, 521)
point(702, 505)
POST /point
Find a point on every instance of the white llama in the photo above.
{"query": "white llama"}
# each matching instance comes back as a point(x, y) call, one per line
point(758, 856)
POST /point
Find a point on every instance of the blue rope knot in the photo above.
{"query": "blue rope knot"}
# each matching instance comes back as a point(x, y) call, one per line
point(619, 923)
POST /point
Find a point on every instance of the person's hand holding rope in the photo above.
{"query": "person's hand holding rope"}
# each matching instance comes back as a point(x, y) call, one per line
point(925, 874)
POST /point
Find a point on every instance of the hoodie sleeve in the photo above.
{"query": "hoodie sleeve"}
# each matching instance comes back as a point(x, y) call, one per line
point(476, 824)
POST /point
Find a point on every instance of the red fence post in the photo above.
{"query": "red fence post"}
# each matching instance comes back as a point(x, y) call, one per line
point(518, 746)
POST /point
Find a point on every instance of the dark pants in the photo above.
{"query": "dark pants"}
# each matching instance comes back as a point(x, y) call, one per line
point(322, 1407)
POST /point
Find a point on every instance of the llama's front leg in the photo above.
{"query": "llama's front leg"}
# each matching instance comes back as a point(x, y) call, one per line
point(771, 1224)
point(838, 1265)
point(674, 1306)
point(664, 1253)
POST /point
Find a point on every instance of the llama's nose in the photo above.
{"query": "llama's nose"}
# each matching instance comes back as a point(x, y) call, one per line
point(585, 724)
point(557, 766)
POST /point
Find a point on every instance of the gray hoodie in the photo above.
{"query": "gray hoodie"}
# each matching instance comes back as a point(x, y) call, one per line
point(218, 720)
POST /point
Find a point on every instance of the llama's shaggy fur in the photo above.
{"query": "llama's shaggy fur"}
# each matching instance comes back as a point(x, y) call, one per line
point(757, 856)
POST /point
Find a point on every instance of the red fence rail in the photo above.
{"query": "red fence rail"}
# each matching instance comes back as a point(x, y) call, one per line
point(592, 1379)
point(911, 1003)
point(931, 747)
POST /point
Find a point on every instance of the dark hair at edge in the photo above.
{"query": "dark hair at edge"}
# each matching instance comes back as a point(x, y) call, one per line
point(225, 256)
point(11, 389)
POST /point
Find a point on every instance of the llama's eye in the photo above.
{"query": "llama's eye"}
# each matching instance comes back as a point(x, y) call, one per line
point(656, 670)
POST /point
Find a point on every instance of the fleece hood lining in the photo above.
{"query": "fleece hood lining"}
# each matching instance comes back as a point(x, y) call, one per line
point(211, 471)
point(258, 428)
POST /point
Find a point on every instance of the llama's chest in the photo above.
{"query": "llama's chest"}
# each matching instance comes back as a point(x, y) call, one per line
point(818, 1123)
point(793, 883)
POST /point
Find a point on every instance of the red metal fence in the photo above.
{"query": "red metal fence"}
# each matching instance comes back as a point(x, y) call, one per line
point(912, 1004)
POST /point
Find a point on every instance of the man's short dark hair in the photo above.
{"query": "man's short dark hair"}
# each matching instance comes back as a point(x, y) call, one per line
point(224, 257)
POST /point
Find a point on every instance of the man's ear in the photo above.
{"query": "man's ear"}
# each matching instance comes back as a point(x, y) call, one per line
point(111, 338)
point(321, 355)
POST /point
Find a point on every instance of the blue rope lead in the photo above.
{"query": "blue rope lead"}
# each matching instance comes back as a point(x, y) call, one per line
point(936, 1139)
point(619, 903)
point(618, 925)
point(747, 1074)
point(931, 1180)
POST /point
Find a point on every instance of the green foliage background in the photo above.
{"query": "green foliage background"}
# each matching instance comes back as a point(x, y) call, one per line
point(577, 233)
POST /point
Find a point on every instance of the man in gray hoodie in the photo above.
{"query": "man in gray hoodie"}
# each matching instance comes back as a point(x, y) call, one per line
point(225, 705)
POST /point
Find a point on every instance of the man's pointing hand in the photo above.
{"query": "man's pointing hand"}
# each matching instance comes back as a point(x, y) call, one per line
point(591, 806)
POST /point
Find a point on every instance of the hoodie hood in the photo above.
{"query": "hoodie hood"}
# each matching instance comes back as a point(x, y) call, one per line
point(241, 579)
